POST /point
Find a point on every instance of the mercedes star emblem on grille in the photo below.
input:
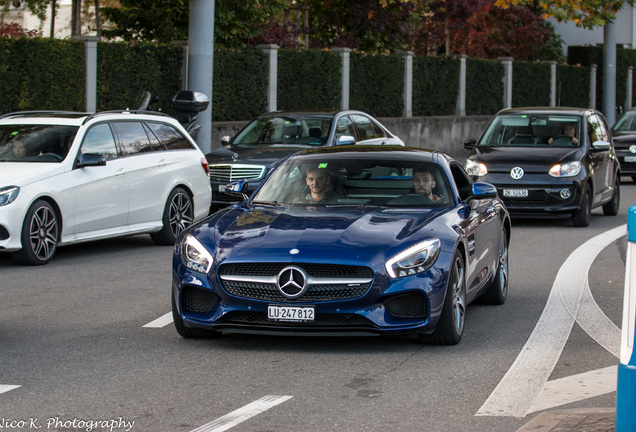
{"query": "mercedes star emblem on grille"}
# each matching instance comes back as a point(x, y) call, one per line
point(632, 148)
point(516, 173)
point(292, 281)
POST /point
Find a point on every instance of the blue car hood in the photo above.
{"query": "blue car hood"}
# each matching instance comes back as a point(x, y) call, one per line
point(370, 229)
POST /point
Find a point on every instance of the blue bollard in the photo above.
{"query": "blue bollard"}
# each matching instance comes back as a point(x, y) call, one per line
point(626, 387)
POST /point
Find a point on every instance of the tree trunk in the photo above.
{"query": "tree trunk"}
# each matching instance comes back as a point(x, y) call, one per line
point(76, 18)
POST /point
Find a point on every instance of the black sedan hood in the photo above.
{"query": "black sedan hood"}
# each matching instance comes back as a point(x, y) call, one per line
point(258, 154)
point(503, 159)
point(624, 139)
point(351, 229)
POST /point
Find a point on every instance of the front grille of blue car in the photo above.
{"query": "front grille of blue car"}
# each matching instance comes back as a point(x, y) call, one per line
point(344, 289)
point(197, 300)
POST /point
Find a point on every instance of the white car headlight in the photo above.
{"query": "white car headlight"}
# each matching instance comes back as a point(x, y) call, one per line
point(416, 259)
point(474, 168)
point(195, 256)
point(8, 194)
point(569, 169)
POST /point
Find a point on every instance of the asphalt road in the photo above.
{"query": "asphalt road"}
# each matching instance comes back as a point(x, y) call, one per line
point(75, 355)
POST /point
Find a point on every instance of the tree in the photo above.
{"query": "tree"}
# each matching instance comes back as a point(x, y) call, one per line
point(584, 13)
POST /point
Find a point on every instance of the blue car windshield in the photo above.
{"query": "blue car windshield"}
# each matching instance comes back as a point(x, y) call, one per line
point(310, 130)
point(528, 130)
point(35, 143)
point(364, 182)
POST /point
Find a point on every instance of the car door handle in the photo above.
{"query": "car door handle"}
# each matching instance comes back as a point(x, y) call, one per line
point(120, 171)
point(162, 163)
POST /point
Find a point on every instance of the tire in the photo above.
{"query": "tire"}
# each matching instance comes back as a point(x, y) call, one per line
point(612, 206)
point(177, 216)
point(39, 236)
point(190, 332)
point(450, 328)
point(498, 290)
point(583, 216)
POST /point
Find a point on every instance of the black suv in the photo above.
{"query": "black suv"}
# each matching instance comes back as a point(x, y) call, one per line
point(549, 162)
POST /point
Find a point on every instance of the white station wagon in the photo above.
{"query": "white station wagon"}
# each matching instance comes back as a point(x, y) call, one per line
point(73, 177)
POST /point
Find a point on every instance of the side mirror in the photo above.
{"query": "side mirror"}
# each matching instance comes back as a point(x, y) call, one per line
point(601, 145)
point(90, 159)
point(238, 189)
point(484, 190)
point(225, 140)
point(470, 143)
point(345, 140)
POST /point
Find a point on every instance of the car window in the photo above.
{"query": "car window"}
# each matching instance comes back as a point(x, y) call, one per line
point(533, 130)
point(169, 136)
point(35, 143)
point(365, 127)
point(344, 127)
point(626, 123)
point(99, 140)
point(132, 137)
point(311, 130)
point(596, 129)
point(334, 181)
point(463, 182)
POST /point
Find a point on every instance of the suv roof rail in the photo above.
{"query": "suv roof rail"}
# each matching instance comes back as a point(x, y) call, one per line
point(37, 112)
point(97, 114)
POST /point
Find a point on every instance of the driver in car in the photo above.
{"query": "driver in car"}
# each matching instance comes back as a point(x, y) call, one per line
point(570, 131)
point(318, 182)
point(424, 183)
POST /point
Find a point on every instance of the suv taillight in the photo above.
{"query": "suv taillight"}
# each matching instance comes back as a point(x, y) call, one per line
point(206, 168)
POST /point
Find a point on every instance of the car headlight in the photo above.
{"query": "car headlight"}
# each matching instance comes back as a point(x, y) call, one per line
point(569, 169)
point(195, 256)
point(474, 168)
point(416, 259)
point(8, 194)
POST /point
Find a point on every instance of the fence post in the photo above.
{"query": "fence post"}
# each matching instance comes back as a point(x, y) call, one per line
point(630, 88)
point(272, 95)
point(90, 49)
point(408, 82)
point(553, 82)
point(460, 110)
point(507, 81)
point(593, 86)
point(345, 55)
point(626, 387)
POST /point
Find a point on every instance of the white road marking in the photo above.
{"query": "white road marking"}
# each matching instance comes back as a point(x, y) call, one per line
point(529, 373)
point(161, 321)
point(240, 415)
point(6, 388)
point(575, 388)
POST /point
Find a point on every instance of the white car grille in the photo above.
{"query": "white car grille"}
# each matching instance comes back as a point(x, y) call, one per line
point(231, 172)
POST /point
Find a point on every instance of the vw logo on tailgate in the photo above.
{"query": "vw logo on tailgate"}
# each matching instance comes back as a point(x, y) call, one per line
point(516, 173)
point(292, 281)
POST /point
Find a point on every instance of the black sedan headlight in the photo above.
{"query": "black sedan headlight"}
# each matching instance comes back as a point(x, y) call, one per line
point(416, 259)
point(195, 256)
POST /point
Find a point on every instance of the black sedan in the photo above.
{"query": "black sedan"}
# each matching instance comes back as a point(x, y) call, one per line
point(362, 240)
point(549, 162)
point(624, 133)
point(268, 139)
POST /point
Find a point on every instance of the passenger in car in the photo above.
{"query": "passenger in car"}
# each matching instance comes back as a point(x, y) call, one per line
point(424, 183)
point(569, 130)
point(320, 186)
point(18, 149)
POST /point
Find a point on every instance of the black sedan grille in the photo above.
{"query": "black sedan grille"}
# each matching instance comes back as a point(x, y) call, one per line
point(231, 172)
point(341, 282)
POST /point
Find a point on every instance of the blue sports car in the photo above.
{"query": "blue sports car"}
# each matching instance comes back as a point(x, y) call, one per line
point(346, 240)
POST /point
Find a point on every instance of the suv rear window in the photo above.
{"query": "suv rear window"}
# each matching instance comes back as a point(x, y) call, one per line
point(170, 137)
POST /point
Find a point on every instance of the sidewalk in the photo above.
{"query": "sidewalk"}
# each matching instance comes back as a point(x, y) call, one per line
point(579, 420)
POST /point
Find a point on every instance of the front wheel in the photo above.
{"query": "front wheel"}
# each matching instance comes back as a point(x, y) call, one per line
point(177, 216)
point(450, 328)
point(39, 236)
